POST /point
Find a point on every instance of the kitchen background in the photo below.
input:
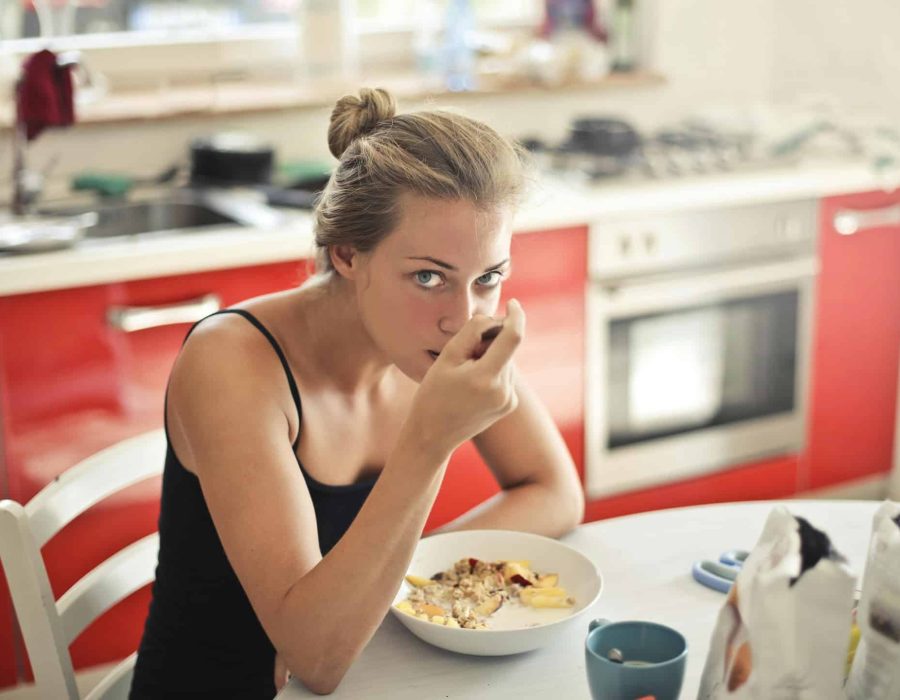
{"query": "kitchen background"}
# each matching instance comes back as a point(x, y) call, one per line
point(764, 197)
point(729, 54)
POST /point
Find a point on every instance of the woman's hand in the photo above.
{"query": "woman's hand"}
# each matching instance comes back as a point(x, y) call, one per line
point(470, 385)
point(282, 675)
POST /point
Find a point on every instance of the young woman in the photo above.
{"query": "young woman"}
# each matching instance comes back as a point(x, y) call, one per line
point(309, 430)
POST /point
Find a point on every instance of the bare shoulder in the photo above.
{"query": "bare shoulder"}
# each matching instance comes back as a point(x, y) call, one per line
point(225, 375)
point(226, 348)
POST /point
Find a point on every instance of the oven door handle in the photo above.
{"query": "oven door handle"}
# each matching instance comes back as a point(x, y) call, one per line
point(628, 299)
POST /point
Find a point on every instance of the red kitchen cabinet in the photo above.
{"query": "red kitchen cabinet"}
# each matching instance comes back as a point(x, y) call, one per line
point(857, 340)
point(767, 479)
point(71, 384)
point(549, 272)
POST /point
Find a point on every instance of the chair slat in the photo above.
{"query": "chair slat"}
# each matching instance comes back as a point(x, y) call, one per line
point(117, 683)
point(101, 588)
point(32, 597)
point(93, 479)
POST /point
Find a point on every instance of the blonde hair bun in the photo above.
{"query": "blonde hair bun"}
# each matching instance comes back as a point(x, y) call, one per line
point(354, 116)
point(381, 155)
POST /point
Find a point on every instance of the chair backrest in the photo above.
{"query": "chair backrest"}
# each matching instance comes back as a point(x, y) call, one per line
point(49, 626)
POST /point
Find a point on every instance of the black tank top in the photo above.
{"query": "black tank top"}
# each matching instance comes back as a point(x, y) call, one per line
point(201, 637)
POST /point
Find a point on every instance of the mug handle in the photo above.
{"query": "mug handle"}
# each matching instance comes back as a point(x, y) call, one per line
point(599, 622)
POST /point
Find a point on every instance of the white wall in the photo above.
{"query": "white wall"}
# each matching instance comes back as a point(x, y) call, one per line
point(845, 50)
point(710, 51)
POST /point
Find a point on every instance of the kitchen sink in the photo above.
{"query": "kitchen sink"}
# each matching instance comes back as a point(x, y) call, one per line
point(131, 218)
point(145, 217)
point(182, 210)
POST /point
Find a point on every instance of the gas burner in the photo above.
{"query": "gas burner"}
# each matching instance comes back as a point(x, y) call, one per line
point(681, 150)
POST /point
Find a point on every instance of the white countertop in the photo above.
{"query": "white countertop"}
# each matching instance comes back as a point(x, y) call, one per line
point(645, 561)
point(553, 203)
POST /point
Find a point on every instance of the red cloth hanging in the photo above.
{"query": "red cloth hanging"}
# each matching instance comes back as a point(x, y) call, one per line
point(44, 94)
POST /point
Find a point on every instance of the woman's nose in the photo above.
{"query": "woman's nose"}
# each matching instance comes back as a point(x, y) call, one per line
point(458, 310)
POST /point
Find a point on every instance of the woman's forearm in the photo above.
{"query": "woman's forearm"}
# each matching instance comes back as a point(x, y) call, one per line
point(531, 507)
point(330, 614)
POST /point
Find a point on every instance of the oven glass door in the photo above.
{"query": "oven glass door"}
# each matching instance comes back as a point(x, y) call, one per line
point(701, 366)
point(695, 373)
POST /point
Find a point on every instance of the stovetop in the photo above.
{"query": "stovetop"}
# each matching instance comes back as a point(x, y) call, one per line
point(673, 152)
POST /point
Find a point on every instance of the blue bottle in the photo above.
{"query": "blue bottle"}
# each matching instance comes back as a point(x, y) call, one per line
point(458, 56)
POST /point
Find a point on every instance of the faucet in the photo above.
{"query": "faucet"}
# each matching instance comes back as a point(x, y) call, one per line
point(27, 185)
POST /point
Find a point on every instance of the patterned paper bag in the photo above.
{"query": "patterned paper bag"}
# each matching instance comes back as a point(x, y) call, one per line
point(784, 629)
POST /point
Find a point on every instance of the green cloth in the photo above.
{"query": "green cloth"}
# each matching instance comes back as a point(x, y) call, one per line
point(104, 184)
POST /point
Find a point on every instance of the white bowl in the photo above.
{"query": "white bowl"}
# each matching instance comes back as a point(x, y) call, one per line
point(512, 629)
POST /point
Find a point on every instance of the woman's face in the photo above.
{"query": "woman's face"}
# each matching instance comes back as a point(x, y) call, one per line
point(443, 263)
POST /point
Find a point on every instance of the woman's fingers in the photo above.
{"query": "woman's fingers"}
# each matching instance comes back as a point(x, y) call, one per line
point(464, 344)
point(504, 345)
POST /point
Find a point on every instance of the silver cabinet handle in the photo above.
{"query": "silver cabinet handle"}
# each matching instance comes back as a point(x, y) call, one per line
point(136, 318)
point(850, 221)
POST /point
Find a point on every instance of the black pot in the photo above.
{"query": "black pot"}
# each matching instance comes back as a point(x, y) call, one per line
point(603, 136)
point(228, 159)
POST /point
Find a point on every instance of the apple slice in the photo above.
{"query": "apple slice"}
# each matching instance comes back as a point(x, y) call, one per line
point(547, 581)
point(405, 606)
point(513, 569)
point(548, 601)
point(527, 594)
point(489, 606)
point(418, 581)
point(432, 610)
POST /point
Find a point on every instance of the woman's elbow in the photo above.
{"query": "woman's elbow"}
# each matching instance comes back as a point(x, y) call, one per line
point(572, 496)
point(323, 676)
point(575, 510)
point(323, 684)
point(566, 502)
point(322, 688)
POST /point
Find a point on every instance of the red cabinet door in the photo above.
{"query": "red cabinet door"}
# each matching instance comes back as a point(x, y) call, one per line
point(72, 384)
point(771, 478)
point(856, 342)
point(549, 271)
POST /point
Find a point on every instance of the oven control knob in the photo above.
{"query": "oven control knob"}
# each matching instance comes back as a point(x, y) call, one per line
point(625, 245)
point(788, 229)
point(650, 243)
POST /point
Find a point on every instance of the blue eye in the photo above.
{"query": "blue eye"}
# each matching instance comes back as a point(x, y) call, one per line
point(423, 277)
point(490, 279)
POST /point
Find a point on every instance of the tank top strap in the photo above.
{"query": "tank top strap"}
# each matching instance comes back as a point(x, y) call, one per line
point(295, 394)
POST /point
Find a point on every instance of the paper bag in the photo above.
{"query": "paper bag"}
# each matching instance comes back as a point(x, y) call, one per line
point(875, 674)
point(784, 629)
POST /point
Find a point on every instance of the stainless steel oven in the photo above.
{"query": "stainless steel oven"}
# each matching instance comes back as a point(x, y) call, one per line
point(698, 341)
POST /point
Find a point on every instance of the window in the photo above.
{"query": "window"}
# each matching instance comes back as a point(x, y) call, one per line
point(372, 13)
point(141, 45)
point(20, 19)
point(153, 19)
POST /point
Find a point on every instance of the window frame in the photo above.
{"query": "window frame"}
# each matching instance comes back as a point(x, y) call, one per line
point(250, 32)
point(150, 59)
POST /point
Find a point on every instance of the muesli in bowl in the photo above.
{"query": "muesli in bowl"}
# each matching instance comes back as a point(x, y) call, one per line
point(468, 593)
point(546, 586)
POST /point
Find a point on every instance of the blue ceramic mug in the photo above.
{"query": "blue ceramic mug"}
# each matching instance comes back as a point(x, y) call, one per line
point(654, 657)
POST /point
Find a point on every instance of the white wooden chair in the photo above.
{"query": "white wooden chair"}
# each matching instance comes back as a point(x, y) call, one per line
point(49, 626)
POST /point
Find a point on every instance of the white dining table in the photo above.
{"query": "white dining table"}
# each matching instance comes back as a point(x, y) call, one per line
point(645, 561)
